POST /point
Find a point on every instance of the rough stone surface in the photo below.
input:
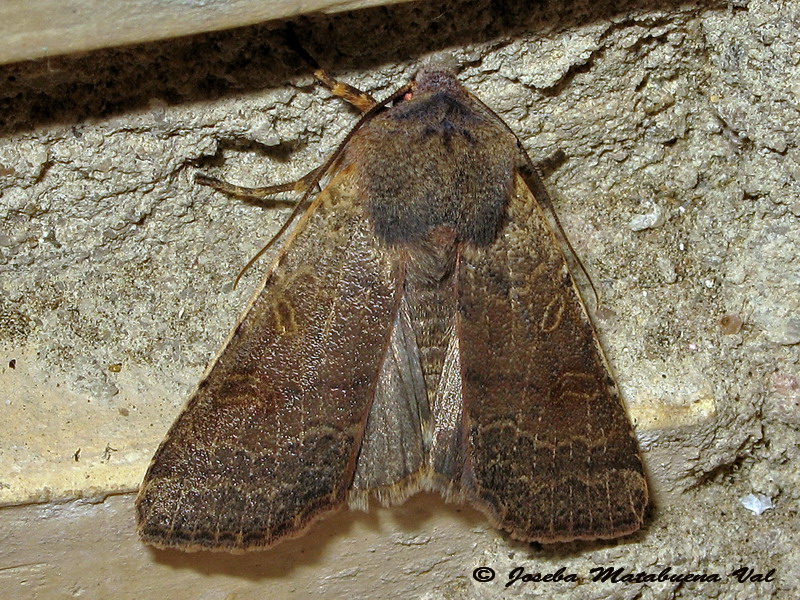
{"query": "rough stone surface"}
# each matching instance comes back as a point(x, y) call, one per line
point(680, 194)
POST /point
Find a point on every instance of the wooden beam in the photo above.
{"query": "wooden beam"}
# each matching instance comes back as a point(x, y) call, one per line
point(31, 29)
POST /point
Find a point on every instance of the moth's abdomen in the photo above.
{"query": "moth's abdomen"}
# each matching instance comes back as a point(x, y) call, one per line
point(430, 292)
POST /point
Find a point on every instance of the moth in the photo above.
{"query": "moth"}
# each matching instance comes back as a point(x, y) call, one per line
point(420, 330)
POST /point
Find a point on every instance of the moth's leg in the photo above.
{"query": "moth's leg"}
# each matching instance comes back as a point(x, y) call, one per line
point(361, 100)
point(259, 194)
point(534, 173)
point(551, 163)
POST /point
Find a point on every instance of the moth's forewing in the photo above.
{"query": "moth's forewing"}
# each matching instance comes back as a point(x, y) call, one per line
point(551, 454)
point(271, 438)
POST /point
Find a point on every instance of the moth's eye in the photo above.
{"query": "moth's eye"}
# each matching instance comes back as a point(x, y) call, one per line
point(404, 98)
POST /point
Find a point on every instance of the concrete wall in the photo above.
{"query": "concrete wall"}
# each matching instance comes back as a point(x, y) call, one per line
point(680, 195)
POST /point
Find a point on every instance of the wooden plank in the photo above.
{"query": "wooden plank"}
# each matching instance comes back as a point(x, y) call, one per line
point(31, 29)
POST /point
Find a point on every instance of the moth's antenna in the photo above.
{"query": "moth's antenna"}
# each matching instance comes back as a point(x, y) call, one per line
point(533, 177)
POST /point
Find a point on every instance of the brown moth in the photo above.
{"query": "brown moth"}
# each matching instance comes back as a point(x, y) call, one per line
point(420, 330)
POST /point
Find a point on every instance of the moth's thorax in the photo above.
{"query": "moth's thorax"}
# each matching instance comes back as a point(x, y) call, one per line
point(436, 159)
point(437, 78)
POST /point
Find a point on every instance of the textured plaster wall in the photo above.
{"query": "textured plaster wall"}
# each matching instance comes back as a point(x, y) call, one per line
point(680, 194)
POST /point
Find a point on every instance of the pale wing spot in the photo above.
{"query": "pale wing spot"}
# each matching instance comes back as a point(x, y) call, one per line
point(537, 271)
point(283, 312)
point(329, 320)
point(553, 314)
point(284, 316)
point(631, 503)
point(574, 385)
point(573, 396)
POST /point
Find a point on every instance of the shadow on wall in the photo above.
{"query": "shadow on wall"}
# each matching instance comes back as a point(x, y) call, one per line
point(68, 90)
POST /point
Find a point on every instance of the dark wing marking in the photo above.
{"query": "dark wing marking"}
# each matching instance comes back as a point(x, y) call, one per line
point(549, 452)
point(271, 438)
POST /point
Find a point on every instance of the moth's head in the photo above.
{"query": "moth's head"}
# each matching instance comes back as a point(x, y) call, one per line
point(437, 73)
